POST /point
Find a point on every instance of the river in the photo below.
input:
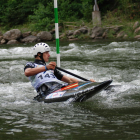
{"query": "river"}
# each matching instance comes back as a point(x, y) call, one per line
point(113, 114)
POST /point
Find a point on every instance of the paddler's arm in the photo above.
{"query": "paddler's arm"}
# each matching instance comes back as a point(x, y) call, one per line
point(92, 80)
point(72, 80)
point(33, 71)
point(69, 79)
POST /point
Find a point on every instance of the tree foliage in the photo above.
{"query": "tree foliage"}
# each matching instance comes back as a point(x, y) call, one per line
point(41, 12)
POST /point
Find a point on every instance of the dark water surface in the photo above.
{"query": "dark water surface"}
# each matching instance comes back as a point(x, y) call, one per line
point(113, 114)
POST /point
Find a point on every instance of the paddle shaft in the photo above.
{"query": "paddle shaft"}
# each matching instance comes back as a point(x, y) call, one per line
point(72, 74)
point(108, 88)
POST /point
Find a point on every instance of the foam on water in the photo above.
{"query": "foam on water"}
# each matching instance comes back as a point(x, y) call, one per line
point(113, 112)
point(94, 63)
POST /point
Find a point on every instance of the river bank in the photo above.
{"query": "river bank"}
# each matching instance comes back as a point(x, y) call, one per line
point(72, 33)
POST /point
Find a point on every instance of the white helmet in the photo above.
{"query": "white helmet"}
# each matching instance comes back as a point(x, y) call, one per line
point(41, 47)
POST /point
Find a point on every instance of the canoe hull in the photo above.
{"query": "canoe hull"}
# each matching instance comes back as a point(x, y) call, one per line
point(79, 92)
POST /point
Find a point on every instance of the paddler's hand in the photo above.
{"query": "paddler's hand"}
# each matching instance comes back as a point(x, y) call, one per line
point(51, 66)
point(92, 80)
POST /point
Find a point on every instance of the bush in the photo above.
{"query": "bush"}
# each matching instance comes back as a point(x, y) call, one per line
point(43, 17)
point(15, 12)
point(41, 12)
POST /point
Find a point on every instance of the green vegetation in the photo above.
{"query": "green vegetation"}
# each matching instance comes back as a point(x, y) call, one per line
point(38, 15)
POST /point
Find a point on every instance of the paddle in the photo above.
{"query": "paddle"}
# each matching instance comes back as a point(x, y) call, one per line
point(108, 88)
point(72, 74)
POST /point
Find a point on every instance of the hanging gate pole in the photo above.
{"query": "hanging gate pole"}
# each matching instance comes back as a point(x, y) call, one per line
point(57, 32)
point(96, 15)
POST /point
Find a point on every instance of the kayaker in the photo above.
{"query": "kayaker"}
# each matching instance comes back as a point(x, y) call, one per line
point(45, 78)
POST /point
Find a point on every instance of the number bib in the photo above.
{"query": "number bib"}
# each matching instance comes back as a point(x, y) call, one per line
point(42, 77)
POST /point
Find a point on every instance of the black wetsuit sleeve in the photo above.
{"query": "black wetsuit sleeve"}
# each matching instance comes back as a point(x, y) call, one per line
point(29, 65)
point(58, 74)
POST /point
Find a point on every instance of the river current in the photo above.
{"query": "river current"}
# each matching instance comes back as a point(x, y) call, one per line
point(112, 114)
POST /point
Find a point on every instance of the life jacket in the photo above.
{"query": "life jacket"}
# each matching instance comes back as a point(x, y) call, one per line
point(42, 77)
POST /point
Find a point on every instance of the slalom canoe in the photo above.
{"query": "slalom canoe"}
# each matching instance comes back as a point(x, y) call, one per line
point(77, 92)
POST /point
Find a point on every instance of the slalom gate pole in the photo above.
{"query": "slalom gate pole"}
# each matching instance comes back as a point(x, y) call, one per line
point(57, 32)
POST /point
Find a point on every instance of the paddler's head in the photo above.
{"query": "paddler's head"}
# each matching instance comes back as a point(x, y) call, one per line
point(41, 51)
